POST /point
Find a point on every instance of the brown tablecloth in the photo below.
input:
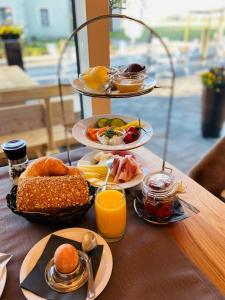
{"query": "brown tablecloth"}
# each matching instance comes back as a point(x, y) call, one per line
point(147, 264)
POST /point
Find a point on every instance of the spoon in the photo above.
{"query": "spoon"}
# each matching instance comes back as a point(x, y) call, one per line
point(109, 164)
point(89, 242)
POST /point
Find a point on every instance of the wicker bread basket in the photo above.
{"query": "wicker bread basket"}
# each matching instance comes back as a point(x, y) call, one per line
point(64, 216)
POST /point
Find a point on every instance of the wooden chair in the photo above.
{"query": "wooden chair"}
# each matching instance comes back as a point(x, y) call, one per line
point(37, 122)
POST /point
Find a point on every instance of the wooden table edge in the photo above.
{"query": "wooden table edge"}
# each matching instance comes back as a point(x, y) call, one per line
point(202, 236)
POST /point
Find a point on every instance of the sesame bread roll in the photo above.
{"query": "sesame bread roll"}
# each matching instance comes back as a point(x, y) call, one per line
point(50, 194)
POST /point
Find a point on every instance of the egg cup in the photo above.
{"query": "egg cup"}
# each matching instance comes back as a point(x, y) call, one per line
point(65, 283)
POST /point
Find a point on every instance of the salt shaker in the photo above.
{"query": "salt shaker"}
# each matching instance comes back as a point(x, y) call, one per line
point(15, 151)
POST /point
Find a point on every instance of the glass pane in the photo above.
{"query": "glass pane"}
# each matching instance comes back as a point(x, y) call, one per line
point(194, 34)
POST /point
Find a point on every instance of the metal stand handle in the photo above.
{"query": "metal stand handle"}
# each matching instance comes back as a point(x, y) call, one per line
point(154, 33)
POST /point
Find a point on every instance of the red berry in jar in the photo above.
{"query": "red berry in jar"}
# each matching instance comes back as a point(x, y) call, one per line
point(164, 210)
point(149, 208)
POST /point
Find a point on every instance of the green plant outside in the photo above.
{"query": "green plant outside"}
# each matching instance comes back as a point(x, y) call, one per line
point(10, 29)
point(37, 48)
point(172, 32)
point(214, 79)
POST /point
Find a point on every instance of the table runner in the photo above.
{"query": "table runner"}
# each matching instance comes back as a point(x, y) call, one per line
point(147, 263)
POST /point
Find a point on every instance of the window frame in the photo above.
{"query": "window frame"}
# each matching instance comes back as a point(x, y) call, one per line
point(85, 10)
point(5, 14)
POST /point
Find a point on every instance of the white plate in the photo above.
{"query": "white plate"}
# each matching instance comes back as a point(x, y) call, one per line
point(3, 280)
point(149, 85)
point(104, 270)
point(79, 132)
point(126, 185)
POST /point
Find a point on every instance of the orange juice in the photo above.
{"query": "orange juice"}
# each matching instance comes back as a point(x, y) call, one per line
point(110, 209)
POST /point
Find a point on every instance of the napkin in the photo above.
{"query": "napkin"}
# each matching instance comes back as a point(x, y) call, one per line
point(35, 281)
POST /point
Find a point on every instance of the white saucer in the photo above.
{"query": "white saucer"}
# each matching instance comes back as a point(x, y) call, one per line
point(104, 270)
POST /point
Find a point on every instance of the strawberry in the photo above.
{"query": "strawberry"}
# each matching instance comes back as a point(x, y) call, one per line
point(133, 129)
point(128, 138)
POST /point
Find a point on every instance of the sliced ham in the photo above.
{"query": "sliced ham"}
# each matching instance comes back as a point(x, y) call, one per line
point(118, 171)
point(125, 168)
point(115, 166)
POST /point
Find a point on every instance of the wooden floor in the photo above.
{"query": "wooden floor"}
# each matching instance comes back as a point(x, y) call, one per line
point(186, 145)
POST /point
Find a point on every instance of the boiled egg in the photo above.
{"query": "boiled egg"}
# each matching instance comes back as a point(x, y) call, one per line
point(66, 258)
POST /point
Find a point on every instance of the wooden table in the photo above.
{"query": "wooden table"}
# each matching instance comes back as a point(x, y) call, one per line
point(201, 237)
point(13, 77)
point(16, 87)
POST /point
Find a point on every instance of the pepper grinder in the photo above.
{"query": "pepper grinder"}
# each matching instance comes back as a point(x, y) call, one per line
point(16, 152)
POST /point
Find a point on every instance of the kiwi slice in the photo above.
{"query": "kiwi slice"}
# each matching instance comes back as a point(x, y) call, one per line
point(116, 122)
point(102, 122)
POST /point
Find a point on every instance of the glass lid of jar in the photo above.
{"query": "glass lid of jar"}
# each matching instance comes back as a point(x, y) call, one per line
point(160, 183)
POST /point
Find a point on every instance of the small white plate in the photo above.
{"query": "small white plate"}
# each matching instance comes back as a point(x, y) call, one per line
point(79, 132)
point(3, 280)
point(126, 185)
point(149, 85)
point(104, 270)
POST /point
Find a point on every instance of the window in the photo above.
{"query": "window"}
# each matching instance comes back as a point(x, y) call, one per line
point(5, 14)
point(44, 17)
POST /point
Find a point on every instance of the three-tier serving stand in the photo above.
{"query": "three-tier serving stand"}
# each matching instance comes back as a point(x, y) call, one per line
point(145, 90)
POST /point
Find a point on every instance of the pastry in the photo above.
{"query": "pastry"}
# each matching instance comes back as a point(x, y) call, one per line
point(45, 166)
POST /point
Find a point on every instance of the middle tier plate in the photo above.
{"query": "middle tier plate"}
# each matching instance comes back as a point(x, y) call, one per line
point(79, 132)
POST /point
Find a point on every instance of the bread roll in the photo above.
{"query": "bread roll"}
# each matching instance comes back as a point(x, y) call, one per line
point(51, 194)
point(47, 185)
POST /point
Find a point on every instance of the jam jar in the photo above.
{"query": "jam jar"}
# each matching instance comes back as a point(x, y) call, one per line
point(15, 151)
point(159, 194)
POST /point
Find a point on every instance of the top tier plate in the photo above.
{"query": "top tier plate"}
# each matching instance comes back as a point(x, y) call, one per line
point(79, 132)
point(148, 86)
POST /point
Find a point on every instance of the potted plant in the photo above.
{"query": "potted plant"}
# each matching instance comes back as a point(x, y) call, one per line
point(213, 102)
point(10, 35)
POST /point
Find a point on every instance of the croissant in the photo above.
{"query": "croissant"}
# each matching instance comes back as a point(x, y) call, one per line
point(49, 166)
point(48, 185)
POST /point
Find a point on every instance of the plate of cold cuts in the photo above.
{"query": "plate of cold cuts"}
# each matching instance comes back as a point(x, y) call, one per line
point(128, 169)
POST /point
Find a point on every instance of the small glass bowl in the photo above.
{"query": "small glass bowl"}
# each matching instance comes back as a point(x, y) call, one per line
point(115, 140)
point(128, 82)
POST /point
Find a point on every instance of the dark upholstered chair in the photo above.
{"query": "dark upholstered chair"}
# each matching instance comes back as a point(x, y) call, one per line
point(210, 170)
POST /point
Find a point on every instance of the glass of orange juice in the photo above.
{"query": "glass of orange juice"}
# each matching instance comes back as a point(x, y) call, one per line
point(110, 211)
